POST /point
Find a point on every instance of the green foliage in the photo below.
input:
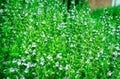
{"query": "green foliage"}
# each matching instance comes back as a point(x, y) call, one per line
point(40, 39)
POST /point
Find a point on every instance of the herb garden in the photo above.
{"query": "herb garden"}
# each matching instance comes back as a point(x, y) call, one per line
point(40, 39)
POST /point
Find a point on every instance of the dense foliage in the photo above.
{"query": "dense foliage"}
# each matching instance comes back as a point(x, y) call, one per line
point(39, 39)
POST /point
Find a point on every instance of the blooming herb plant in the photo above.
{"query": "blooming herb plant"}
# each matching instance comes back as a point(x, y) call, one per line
point(39, 39)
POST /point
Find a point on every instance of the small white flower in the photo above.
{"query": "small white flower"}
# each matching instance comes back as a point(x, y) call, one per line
point(95, 31)
point(31, 20)
point(88, 61)
point(22, 77)
point(72, 45)
point(49, 57)
point(4, 62)
point(63, 35)
point(36, 23)
point(109, 73)
point(115, 53)
point(62, 25)
point(66, 67)
point(91, 40)
point(90, 52)
point(33, 73)
point(57, 64)
point(26, 52)
point(43, 34)
point(24, 64)
point(8, 77)
point(33, 65)
point(19, 62)
point(14, 61)
point(104, 38)
point(26, 70)
point(28, 64)
point(117, 48)
point(23, 59)
point(26, 1)
point(26, 14)
point(24, 33)
point(42, 63)
point(42, 59)
point(59, 55)
point(34, 52)
point(60, 68)
point(43, 22)
point(33, 44)
point(17, 77)
point(12, 70)
point(30, 27)
point(1, 10)
point(119, 26)
point(108, 62)
point(98, 55)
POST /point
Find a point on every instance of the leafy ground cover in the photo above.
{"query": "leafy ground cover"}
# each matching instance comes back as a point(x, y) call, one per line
point(37, 41)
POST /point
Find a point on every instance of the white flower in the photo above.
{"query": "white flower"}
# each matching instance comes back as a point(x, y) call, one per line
point(43, 22)
point(43, 34)
point(104, 38)
point(28, 64)
point(117, 48)
point(33, 65)
point(59, 55)
point(17, 77)
point(49, 57)
point(119, 26)
point(66, 67)
point(33, 73)
point(8, 77)
point(26, 70)
point(19, 62)
point(33, 44)
point(13, 69)
point(54, 17)
point(25, 33)
point(90, 52)
point(36, 23)
point(27, 1)
point(72, 45)
point(98, 55)
point(115, 53)
point(57, 64)
point(26, 52)
point(14, 61)
point(62, 25)
point(63, 35)
point(23, 59)
point(34, 52)
point(24, 64)
point(31, 20)
point(22, 77)
point(1, 10)
point(26, 14)
point(4, 62)
point(60, 68)
point(30, 27)
point(88, 61)
point(109, 73)
point(42, 61)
